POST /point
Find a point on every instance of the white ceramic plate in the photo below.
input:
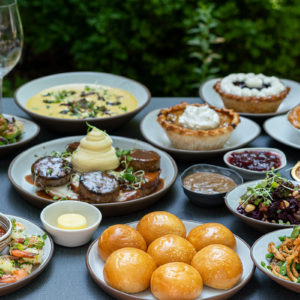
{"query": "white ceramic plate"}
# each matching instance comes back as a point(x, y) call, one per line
point(260, 249)
point(21, 166)
point(280, 130)
point(246, 131)
point(31, 130)
point(232, 199)
point(26, 91)
point(95, 266)
point(208, 94)
point(48, 249)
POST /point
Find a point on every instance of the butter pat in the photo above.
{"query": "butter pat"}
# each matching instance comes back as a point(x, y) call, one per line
point(199, 117)
point(71, 221)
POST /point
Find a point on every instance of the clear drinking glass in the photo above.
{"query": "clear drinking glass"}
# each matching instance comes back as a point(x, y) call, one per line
point(11, 38)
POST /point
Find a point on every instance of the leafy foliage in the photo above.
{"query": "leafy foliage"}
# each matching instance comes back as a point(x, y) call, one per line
point(166, 44)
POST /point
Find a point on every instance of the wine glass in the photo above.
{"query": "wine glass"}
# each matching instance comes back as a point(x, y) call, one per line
point(11, 38)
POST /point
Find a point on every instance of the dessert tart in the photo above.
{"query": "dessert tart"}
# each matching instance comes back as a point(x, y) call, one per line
point(251, 93)
point(198, 126)
point(294, 117)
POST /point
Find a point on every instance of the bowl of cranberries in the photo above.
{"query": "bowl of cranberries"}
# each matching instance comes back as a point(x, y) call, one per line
point(253, 163)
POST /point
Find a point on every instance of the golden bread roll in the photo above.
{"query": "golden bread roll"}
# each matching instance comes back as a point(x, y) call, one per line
point(119, 236)
point(211, 233)
point(129, 270)
point(219, 266)
point(171, 248)
point(160, 223)
point(176, 280)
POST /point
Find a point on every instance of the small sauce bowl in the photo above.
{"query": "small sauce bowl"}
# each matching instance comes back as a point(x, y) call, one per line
point(203, 199)
point(66, 237)
point(250, 174)
point(6, 224)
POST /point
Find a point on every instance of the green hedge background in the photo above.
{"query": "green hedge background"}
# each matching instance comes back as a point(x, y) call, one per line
point(169, 45)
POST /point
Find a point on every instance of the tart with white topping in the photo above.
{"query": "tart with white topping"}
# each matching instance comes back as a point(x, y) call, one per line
point(198, 126)
point(251, 93)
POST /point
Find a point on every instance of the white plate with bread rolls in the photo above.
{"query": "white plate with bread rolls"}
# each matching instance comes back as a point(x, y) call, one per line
point(96, 266)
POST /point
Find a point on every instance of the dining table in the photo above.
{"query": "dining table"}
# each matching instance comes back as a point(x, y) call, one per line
point(67, 277)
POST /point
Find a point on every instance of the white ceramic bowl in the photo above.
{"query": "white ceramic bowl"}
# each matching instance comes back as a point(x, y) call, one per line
point(6, 224)
point(259, 251)
point(71, 238)
point(253, 175)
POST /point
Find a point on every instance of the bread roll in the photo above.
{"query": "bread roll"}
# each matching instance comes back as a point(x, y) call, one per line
point(119, 236)
point(211, 233)
point(176, 281)
point(129, 270)
point(171, 248)
point(219, 266)
point(160, 223)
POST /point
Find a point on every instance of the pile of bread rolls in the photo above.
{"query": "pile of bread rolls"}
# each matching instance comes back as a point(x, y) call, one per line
point(160, 255)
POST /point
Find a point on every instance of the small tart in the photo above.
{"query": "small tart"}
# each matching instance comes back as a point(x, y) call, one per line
point(197, 139)
point(296, 171)
point(294, 117)
point(252, 99)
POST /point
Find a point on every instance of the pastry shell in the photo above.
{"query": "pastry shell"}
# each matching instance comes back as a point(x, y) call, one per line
point(251, 104)
point(294, 117)
point(197, 139)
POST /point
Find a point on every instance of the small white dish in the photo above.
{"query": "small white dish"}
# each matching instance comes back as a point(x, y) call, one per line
point(232, 201)
point(6, 224)
point(95, 267)
point(246, 131)
point(259, 251)
point(209, 95)
point(280, 130)
point(253, 175)
point(31, 130)
point(65, 237)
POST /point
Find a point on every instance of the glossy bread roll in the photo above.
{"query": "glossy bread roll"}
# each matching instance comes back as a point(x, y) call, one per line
point(211, 233)
point(176, 281)
point(119, 236)
point(160, 223)
point(171, 248)
point(129, 270)
point(219, 266)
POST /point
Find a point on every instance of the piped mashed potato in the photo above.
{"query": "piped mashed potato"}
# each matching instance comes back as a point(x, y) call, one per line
point(81, 101)
point(95, 153)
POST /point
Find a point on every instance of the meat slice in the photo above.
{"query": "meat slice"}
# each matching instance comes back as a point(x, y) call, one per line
point(72, 147)
point(146, 160)
point(98, 187)
point(51, 171)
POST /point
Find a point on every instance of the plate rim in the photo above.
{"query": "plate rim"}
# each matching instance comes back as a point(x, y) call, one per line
point(269, 274)
point(28, 139)
point(230, 292)
point(47, 118)
point(253, 115)
point(98, 205)
point(258, 222)
point(289, 144)
point(11, 287)
point(199, 152)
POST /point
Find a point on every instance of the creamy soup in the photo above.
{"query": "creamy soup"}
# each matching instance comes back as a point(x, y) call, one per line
point(81, 101)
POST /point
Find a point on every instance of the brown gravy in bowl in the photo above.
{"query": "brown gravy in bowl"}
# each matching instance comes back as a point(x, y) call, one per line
point(208, 183)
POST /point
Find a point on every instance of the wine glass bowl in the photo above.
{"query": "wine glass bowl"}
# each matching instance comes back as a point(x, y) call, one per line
point(11, 38)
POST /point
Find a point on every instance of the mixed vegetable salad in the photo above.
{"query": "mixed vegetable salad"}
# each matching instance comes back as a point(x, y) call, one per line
point(10, 130)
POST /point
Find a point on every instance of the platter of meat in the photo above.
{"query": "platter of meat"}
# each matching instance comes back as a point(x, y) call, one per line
point(118, 175)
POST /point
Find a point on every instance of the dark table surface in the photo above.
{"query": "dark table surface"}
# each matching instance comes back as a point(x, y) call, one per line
point(66, 277)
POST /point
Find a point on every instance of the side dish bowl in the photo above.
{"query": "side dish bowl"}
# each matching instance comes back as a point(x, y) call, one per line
point(28, 90)
point(6, 224)
point(203, 199)
point(249, 174)
point(258, 255)
point(75, 237)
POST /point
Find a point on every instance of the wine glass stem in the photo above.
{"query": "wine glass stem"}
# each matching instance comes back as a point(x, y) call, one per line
point(1, 105)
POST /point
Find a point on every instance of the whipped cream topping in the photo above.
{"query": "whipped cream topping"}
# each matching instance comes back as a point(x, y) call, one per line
point(250, 84)
point(199, 117)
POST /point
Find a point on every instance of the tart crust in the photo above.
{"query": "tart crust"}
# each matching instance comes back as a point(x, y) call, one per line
point(251, 104)
point(294, 117)
point(197, 139)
